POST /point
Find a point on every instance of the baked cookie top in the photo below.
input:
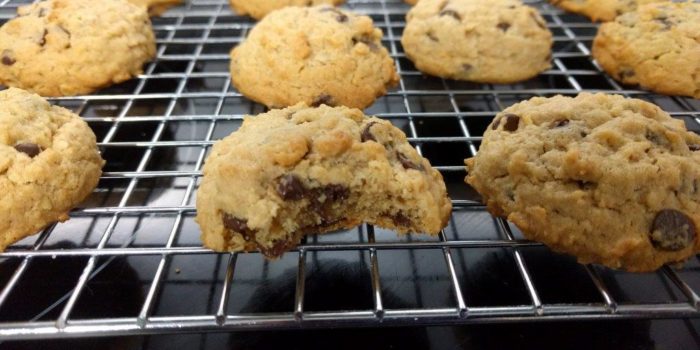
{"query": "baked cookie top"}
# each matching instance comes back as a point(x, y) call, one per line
point(610, 180)
point(601, 10)
point(488, 41)
point(260, 8)
point(657, 47)
point(304, 170)
point(71, 47)
point(314, 55)
point(49, 162)
point(156, 7)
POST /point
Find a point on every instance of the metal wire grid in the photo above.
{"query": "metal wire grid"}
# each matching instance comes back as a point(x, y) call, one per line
point(155, 132)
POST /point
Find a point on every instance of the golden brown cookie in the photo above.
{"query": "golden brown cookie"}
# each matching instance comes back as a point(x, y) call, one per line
point(301, 170)
point(610, 180)
point(260, 8)
point(601, 10)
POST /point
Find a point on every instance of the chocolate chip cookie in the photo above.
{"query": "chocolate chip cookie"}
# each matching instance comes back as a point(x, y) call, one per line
point(301, 170)
point(611, 180)
point(156, 7)
point(317, 55)
point(601, 10)
point(656, 47)
point(486, 41)
point(260, 8)
point(49, 162)
point(72, 47)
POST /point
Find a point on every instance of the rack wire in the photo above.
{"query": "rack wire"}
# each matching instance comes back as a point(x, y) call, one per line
point(129, 261)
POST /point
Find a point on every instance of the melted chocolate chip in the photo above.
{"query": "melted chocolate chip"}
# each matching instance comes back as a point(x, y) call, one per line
point(323, 99)
point(278, 248)
point(7, 58)
point(672, 230)
point(290, 188)
point(512, 122)
point(451, 13)
point(335, 193)
point(694, 147)
point(401, 220)
point(30, 149)
point(238, 225)
point(559, 123)
point(367, 134)
point(339, 16)
point(407, 163)
point(503, 26)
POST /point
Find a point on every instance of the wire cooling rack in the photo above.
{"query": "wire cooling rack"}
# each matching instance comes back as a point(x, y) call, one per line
point(129, 260)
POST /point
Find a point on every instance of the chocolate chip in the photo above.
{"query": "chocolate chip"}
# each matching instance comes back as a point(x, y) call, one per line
point(655, 138)
point(238, 225)
point(665, 23)
point(335, 193)
point(42, 41)
point(503, 26)
point(367, 134)
point(467, 67)
point(407, 163)
point(290, 188)
point(496, 122)
point(559, 123)
point(625, 73)
point(278, 248)
point(339, 16)
point(323, 99)
point(512, 122)
point(401, 220)
point(694, 147)
point(367, 40)
point(672, 230)
point(28, 148)
point(451, 13)
point(7, 58)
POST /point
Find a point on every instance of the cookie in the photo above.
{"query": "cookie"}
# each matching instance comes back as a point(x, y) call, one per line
point(601, 10)
point(656, 47)
point(610, 180)
point(49, 162)
point(260, 8)
point(301, 170)
point(317, 55)
point(486, 41)
point(73, 47)
point(156, 7)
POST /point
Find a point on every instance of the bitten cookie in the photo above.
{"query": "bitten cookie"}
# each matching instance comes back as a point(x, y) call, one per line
point(49, 162)
point(610, 180)
point(300, 170)
point(601, 10)
point(657, 47)
point(260, 8)
point(156, 7)
point(72, 47)
point(317, 55)
point(486, 41)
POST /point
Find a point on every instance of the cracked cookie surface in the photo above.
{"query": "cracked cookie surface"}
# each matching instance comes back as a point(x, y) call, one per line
point(609, 180)
point(317, 55)
point(656, 47)
point(487, 41)
point(601, 10)
point(301, 170)
point(49, 162)
point(260, 8)
point(73, 47)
